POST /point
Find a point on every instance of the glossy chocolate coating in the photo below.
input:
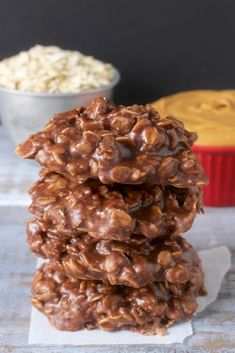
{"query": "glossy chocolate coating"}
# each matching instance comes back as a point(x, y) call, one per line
point(117, 144)
point(68, 209)
point(72, 304)
point(136, 264)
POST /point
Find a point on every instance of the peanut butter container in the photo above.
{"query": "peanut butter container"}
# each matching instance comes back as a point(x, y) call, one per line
point(212, 115)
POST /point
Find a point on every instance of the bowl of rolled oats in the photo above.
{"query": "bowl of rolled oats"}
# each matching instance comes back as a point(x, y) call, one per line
point(44, 80)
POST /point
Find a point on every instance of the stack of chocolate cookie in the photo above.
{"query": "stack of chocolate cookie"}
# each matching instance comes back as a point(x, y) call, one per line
point(117, 187)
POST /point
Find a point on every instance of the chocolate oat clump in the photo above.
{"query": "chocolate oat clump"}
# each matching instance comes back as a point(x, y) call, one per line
point(66, 208)
point(116, 144)
point(73, 304)
point(169, 258)
point(118, 186)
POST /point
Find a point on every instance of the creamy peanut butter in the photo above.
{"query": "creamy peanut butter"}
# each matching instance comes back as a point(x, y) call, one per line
point(210, 113)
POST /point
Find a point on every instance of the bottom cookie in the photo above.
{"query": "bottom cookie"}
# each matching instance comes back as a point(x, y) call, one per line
point(72, 304)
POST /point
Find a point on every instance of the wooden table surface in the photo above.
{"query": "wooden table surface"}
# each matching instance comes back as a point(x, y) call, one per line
point(214, 329)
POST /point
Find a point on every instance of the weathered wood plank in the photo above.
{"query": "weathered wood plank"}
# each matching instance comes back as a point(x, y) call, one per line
point(15, 174)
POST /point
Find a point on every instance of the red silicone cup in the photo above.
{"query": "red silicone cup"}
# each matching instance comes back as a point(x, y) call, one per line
point(219, 165)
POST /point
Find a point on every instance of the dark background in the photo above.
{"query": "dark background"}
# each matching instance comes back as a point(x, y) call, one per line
point(160, 47)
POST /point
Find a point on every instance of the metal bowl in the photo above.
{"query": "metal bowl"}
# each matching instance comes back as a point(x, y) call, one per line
point(24, 113)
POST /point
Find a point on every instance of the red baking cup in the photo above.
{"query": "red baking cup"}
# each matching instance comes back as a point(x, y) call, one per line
point(219, 165)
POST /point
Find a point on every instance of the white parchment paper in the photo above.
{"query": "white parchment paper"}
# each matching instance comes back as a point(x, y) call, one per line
point(215, 262)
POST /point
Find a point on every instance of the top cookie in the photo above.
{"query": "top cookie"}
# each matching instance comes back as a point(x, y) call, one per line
point(117, 144)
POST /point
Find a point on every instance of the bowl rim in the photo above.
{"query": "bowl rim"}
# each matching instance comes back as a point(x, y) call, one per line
point(213, 149)
point(113, 83)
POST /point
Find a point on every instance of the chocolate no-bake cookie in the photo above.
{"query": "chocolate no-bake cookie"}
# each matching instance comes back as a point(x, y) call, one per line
point(169, 258)
point(117, 144)
point(72, 304)
point(68, 209)
point(117, 186)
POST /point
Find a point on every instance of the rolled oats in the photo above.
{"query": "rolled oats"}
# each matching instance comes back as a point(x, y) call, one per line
point(49, 69)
